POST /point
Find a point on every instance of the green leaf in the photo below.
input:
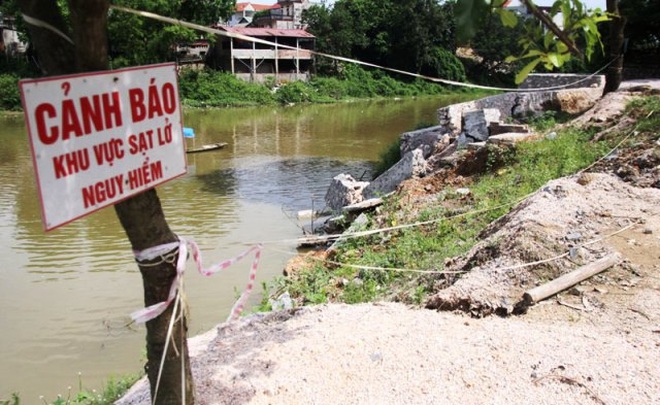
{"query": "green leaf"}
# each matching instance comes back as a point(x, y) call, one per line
point(508, 18)
point(524, 72)
point(554, 59)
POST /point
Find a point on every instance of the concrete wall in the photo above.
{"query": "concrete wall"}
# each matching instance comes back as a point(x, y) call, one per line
point(542, 80)
point(573, 101)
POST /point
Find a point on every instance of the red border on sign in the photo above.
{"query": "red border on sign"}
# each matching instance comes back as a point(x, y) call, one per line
point(32, 147)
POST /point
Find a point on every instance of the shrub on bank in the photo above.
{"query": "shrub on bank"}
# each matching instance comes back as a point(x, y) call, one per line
point(207, 88)
point(10, 97)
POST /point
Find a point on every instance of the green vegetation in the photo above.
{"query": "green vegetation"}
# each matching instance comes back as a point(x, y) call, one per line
point(113, 390)
point(10, 97)
point(511, 174)
point(400, 34)
point(208, 88)
point(388, 158)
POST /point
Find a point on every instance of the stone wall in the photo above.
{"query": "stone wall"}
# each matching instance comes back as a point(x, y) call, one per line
point(573, 101)
point(543, 80)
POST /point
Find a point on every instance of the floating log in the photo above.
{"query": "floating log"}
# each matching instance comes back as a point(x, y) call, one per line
point(568, 280)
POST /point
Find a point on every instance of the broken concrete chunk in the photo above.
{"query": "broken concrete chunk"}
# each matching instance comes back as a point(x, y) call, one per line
point(412, 164)
point(511, 138)
point(426, 139)
point(344, 190)
point(497, 128)
point(475, 123)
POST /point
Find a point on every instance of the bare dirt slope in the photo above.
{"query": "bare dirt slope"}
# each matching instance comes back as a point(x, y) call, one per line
point(598, 343)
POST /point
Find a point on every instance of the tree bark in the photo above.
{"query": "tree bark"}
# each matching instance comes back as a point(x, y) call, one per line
point(86, 49)
point(614, 74)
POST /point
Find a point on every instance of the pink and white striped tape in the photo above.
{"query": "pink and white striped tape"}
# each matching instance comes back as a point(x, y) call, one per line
point(152, 311)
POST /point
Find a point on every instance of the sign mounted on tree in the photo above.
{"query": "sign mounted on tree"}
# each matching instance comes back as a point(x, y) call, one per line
point(99, 138)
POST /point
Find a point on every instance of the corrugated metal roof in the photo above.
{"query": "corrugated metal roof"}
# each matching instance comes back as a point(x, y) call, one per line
point(268, 32)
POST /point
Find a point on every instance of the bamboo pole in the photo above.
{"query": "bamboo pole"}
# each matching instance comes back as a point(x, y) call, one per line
point(568, 280)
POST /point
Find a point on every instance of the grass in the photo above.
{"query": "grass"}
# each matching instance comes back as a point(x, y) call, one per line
point(526, 168)
point(113, 390)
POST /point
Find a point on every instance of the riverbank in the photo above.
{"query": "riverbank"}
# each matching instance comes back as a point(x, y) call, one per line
point(213, 89)
point(596, 343)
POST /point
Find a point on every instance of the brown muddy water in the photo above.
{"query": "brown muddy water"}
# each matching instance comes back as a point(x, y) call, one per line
point(65, 295)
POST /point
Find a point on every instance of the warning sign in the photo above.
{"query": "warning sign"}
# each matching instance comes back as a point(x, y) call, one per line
point(102, 137)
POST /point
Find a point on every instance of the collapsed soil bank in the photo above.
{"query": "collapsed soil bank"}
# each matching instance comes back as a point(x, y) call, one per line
point(598, 343)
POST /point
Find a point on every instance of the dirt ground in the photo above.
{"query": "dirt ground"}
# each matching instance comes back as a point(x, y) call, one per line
point(596, 343)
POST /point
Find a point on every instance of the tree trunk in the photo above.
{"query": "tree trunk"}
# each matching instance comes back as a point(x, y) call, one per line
point(141, 216)
point(614, 74)
point(144, 222)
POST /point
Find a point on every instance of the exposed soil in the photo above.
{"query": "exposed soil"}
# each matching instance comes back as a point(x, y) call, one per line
point(597, 343)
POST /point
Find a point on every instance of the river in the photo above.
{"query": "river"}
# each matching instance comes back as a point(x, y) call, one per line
point(65, 295)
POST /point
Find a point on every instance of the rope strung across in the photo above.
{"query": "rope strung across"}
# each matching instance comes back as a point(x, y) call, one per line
point(242, 37)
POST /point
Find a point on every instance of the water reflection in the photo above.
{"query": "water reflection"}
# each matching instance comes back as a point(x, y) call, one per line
point(293, 184)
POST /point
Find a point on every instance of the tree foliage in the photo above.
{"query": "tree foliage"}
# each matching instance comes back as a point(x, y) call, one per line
point(492, 43)
point(543, 42)
point(403, 34)
point(136, 40)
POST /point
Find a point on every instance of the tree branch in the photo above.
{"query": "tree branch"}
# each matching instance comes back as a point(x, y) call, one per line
point(549, 24)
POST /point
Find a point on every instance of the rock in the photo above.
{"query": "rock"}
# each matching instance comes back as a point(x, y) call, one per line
point(512, 138)
point(344, 190)
point(551, 135)
point(497, 128)
point(574, 236)
point(427, 139)
point(576, 101)
point(412, 164)
point(363, 206)
point(282, 302)
point(476, 145)
point(475, 123)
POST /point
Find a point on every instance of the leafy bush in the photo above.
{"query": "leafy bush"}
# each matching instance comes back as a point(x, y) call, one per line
point(10, 97)
point(330, 87)
point(208, 88)
point(447, 66)
point(295, 92)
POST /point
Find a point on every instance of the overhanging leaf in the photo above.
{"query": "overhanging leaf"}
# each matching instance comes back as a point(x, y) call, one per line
point(524, 72)
point(508, 18)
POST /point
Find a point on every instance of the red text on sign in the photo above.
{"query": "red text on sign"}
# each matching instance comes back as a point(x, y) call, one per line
point(103, 190)
point(144, 175)
point(155, 102)
point(78, 117)
point(108, 152)
point(71, 163)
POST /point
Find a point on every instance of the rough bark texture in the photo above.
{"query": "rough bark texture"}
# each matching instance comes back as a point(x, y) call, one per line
point(614, 74)
point(141, 216)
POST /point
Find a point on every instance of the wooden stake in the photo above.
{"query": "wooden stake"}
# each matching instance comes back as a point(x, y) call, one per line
point(568, 280)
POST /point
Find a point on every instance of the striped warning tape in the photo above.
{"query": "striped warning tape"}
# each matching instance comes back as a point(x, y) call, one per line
point(166, 252)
